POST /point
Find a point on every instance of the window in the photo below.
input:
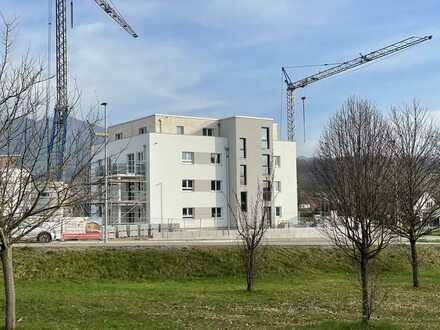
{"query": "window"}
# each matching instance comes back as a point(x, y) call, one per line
point(215, 158)
point(188, 213)
point(118, 136)
point(130, 191)
point(44, 194)
point(188, 157)
point(277, 161)
point(268, 215)
point(278, 211)
point(208, 132)
point(242, 148)
point(265, 137)
point(277, 186)
point(216, 212)
point(267, 191)
point(180, 130)
point(187, 185)
point(216, 185)
point(265, 160)
point(99, 211)
point(140, 157)
point(142, 130)
point(243, 177)
point(130, 163)
point(243, 201)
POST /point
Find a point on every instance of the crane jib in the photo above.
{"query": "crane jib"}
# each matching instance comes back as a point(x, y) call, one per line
point(362, 59)
point(385, 51)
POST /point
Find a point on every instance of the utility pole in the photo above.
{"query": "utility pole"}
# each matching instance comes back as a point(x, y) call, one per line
point(104, 104)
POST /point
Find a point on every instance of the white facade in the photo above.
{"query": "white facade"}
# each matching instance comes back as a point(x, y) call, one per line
point(162, 177)
point(167, 170)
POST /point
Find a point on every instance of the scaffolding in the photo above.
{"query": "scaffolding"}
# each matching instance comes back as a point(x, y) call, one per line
point(127, 193)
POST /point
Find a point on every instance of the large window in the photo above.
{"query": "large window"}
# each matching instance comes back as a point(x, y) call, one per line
point(265, 161)
point(188, 157)
point(216, 212)
point(278, 211)
point(180, 130)
point(142, 130)
point(130, 163)
point(216, 185)
point(188, 185)
point(208, 132)
point(118, 136)
point(242, 148)
point(265, 143)
point(188, 213)
point(140, 156)
point(243, 175)
point(243, 201)
point(215, 158)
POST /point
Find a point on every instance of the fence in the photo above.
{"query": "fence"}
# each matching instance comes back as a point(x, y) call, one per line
point(174, 231)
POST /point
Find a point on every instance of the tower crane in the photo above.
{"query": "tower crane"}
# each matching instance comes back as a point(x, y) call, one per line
point(358, 61)
point(57, 139)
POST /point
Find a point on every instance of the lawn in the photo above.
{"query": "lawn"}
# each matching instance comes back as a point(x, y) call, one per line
point(298, 288)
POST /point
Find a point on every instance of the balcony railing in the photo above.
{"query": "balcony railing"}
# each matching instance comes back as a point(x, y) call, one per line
point(122, 169)
point(122, 196)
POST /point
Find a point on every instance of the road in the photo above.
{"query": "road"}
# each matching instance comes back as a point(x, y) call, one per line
point(195, 242)
point(171, 243)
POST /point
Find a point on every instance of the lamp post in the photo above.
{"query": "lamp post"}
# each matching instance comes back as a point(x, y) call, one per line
point(104, 104)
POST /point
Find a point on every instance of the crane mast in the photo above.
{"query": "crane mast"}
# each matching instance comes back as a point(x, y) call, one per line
point(59, 127)
point(358, 61)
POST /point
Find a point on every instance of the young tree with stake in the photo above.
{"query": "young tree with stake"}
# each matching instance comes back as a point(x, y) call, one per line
point(417, 176)
point(253, 219)
point(27, 171)
point(354, 166)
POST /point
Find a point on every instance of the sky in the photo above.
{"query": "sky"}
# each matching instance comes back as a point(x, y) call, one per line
point(217, 58)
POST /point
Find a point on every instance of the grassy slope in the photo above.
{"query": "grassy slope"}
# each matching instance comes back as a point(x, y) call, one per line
point(301, 288)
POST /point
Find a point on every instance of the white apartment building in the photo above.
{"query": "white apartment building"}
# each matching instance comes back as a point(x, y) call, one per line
point(191, 172)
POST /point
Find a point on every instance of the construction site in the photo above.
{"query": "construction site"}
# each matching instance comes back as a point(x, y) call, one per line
point(166, 172)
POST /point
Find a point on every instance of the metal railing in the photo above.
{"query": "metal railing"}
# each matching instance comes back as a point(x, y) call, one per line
point(122, 169)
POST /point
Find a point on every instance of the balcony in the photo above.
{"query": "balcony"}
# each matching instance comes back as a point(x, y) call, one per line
point(122, 169)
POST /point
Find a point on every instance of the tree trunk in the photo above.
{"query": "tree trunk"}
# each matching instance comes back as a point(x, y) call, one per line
point(365, 293)
point(414, 263)
point(8, 275)
point(250, 270)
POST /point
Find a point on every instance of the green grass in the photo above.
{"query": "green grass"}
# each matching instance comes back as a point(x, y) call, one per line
point(435, 232)
point(203, 288)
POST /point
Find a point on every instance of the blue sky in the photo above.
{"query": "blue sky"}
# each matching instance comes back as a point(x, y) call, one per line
point(223, 57)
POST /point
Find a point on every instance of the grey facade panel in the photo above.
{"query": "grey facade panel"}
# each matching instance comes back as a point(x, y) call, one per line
point(202, 158)
point(202, 212)
point(202, 185)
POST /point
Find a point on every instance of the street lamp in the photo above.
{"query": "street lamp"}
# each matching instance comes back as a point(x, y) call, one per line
point(104, 104)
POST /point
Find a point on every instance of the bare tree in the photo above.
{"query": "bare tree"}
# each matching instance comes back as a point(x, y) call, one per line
point(253, 220)
point(30, 194)
point(417, 176)
point(354, 167)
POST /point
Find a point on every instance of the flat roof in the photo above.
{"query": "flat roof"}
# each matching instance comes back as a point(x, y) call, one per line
point(189, 117)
